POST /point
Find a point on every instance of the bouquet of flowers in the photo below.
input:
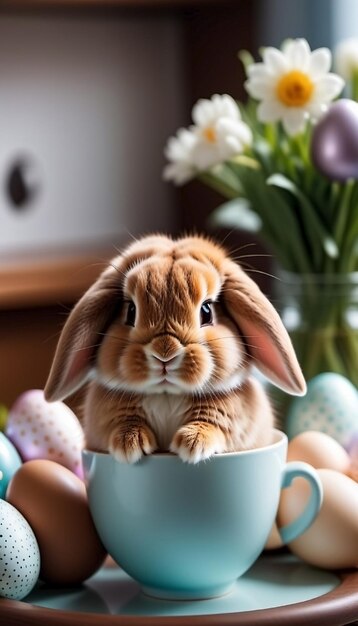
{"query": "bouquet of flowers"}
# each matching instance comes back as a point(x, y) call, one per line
point(287, 165)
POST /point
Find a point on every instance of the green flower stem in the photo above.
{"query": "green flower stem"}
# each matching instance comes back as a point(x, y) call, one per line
point(354, 84)
point(343, 213)
point(276, 215)
point(324, 339)
point(347, 228)
point(333, 200)
point(270, 133)
point(298, 146)
point(218, 184)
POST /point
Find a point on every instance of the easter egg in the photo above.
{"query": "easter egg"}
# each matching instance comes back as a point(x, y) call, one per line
point(331, 541)
point(274, 541)
point(54, 502)
point(46, 430)
point(319, 450)
point(330, 406)
point(9, 462)
point(334, 144)
point(19, 554)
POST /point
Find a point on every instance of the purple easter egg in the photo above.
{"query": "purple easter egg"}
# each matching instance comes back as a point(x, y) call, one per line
point(334, 145)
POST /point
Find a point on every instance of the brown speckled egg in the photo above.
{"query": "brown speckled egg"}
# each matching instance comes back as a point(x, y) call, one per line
point(54, 502)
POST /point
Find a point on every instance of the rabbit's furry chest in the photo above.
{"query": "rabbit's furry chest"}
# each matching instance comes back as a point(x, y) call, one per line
point(165, 413)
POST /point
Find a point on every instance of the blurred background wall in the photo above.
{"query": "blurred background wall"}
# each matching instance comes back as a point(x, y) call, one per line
point(322, 22)
point(90, 91)
point(87, 103)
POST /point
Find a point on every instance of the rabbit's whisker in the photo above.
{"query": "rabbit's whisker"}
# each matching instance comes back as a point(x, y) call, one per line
point(50, 337)
point(118, 270)
point(122, 339)
point(204, 342)
point(243, 247)
point(222, 241)
point(251, 256)
point(256, 271)
point(95, 345)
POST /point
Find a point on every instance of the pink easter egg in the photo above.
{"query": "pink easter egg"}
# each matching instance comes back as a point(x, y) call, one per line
point(46, 430)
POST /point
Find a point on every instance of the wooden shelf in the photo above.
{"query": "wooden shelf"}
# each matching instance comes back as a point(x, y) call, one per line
point(50, 280)
point(103, 4)
point(36, 295)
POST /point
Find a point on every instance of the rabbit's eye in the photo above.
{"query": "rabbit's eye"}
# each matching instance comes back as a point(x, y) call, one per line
point(206, 313)
point(131, 311)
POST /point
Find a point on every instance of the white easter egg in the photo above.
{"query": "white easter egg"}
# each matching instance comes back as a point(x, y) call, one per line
point(330, 406)
point(19, 554)
point(46, 430)
point(331, 541)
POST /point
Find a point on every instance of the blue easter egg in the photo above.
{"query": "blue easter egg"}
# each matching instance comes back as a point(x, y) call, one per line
point(10, 462)
point(330, 406)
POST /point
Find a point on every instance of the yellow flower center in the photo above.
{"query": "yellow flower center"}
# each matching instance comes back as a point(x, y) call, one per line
point(294, 89)
point(209, 134)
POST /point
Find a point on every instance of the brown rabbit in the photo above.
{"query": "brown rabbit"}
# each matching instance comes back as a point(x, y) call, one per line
point(167, 338)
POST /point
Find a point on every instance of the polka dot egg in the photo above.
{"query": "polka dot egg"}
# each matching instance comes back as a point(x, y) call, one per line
point(46, 430)
point(19, 554)
point(330, 406)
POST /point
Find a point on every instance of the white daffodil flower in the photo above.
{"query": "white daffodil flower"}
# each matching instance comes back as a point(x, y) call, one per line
point(220, 131)
point(346, 58)
point(178, 151)
point(293, 84)
point(217, 135)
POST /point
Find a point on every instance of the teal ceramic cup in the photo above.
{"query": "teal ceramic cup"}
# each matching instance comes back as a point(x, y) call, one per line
point(189, 531)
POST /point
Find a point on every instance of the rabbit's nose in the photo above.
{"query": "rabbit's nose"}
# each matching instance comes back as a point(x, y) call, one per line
point(165, 347)
point(171, 362)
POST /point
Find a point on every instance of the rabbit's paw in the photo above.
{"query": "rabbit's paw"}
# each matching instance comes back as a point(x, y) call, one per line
point(197, 441)
point(129, 442)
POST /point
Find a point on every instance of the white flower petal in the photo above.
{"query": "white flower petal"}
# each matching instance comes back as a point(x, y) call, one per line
point(233, 146)
point(228, 138)
point(217, 106)
point(328, 87)
point(179, 152)
point(206, 112)
point(269, 111)
point(205, 155)
point(286, 44)
point(179, 147)
point(259, 88)
point(202, 112)
point(294, 121)
point(245, 134)
point(258, 70)
point(274, 60)
point(320, 62)
point(316, 110)
point(297, 53)
point(227, 107)
point(179, 173)
point(240, 131)
point(346, 57)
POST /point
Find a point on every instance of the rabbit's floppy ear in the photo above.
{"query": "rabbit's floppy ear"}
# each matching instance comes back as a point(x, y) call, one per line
point(82, 334)
point(267, 339)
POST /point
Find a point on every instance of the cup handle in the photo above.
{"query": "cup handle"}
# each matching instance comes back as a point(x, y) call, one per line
point(291, 471)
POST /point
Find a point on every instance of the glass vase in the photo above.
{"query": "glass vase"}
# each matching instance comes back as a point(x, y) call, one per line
point(320, 312)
